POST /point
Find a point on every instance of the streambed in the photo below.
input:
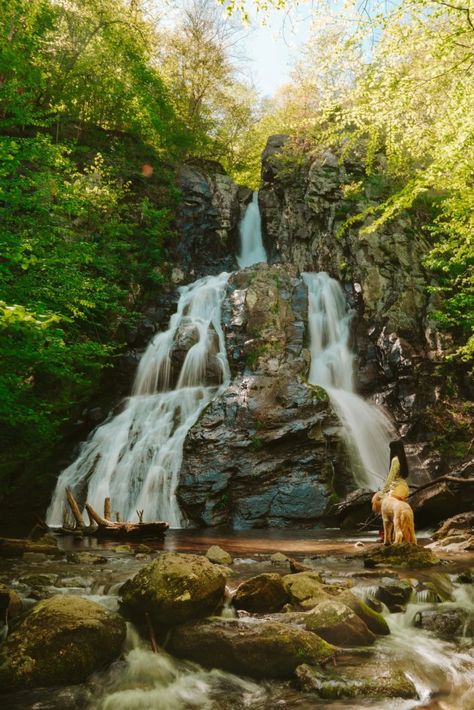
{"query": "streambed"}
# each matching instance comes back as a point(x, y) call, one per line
point(439, 667)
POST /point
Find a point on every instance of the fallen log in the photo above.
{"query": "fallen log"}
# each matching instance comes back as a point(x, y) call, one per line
point(109, 528)
point(104, 527)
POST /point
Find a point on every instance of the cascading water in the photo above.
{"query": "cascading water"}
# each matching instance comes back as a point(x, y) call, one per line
point(252, 250)
point(367, 429)
point(135, 457)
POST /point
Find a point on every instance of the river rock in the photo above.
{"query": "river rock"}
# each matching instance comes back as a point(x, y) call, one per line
point(372, 618)
point(403, 555)
point(262, 594)
point(278, 558)
point(174, 588)
point(334, 622)
point(262, 649)
point(9, 600)
point(61, 640)
point(86, 558)
point(394, 593)
point(305, 589)
point(446, 623)
point(369, 680)
point(219, 556)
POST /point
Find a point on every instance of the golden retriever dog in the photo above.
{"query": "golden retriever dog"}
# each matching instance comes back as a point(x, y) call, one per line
point(397, 517)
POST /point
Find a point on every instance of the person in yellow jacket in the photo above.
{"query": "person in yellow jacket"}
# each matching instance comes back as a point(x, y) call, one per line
point(396, 483)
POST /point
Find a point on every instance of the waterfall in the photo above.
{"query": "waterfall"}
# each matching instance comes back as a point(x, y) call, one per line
point(251, 246)
point(367, 429)
point(135, 457)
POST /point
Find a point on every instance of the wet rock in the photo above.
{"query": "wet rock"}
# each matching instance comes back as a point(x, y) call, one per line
point(262, 649)
point(262, 594)
point(34, 557)
point(278, 558)
point(11, 601)
point(334, 622)
point(219, 556)
point(446, 623)
point(35, 581)
point(174, 589)
point(61, 640)
point(249, 461)
point(86, 558)
point(305, 589)
point(403, 555)
point(373, 619)
point(394, 593)
point(372, 680)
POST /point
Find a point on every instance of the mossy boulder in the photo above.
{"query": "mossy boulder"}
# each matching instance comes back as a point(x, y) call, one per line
point(305, 589)
point(262, 649)
point(262, 594)
point(373, 619)
point(174, 589)
point(334, 622)
point(370, 680)
point(404, 555)
point(446, 622)
point(60, 641)
point(219, 556)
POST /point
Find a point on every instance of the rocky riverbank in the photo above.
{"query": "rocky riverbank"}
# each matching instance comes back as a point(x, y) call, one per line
point(308, 618)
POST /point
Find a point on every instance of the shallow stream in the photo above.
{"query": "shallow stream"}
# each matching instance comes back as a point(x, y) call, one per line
point(442, 670)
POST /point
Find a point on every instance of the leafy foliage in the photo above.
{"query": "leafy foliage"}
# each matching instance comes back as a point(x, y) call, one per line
point(76, 246)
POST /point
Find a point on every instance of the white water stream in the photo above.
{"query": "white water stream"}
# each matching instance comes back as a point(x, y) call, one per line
point(367, 430)
point(251, 246)
point(135, 457)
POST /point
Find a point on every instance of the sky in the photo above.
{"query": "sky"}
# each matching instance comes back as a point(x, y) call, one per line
point(272, 47)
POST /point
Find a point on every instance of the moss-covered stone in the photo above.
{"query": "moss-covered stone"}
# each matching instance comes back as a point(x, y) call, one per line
point(60, 641)
point(262, 649)
point(174, 589)
point(403, 555)
point(373, 619)
point(305, 589)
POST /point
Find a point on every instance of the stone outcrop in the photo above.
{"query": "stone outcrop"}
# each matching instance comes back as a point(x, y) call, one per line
point(174, 589)
point(208, 219)
point(267, 451)
point(60, 641)
point(306, 198)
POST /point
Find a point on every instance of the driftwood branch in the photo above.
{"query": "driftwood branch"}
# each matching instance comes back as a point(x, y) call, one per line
point(74, 509)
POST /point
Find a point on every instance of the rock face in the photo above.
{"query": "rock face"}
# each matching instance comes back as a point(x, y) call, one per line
point(60, 641)
point(262, 649)
point(267, 451)
point(174, 588)
point(305, 199)
point(208, 219)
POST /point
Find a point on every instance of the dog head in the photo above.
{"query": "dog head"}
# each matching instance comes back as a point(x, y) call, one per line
point(377, 502)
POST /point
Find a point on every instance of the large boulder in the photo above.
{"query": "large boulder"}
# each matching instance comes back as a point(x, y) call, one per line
point(334, 622)
point(446, 623)
point(394, 593)
point(174, 589)
point(262, 594)
point(61, 640)
point(262, 649)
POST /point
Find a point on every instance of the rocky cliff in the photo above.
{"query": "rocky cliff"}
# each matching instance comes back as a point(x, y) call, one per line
point(268, 451)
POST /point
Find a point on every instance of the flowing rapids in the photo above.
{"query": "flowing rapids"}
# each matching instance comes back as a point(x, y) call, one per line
point(252, 250)
point(367, 429)
point(135, 457)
